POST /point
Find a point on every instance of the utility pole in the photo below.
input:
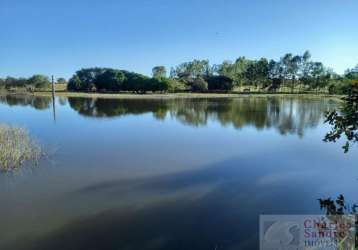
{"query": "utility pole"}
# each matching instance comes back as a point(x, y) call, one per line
point(53, 98)
point(53, 87)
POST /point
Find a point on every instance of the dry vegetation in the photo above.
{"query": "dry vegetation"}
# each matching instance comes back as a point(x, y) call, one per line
point(17, 148)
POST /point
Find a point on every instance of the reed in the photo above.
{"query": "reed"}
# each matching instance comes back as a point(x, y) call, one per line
point(17, 148)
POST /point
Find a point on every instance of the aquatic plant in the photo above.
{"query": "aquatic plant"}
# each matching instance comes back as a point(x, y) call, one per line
point(17, 148)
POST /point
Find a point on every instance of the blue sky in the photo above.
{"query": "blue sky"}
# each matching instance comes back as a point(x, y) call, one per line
point(61, 36)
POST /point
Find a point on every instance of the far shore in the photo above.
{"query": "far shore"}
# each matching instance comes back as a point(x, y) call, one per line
point(167, 95)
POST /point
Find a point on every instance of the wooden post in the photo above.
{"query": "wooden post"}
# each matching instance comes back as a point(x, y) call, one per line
point(53, 99)
point(53, 87)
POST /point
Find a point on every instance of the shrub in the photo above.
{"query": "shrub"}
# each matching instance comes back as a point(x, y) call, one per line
point(39, 81)
point(16, 148)
point(199, 85)
point(74, 84)
point(220, 83)
point(110, 80)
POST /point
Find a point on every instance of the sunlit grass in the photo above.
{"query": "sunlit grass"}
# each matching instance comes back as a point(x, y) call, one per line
point(17, 148)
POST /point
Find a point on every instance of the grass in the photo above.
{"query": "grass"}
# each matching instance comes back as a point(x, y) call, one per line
point(236, 92)
point(17, 148)
point(177, 95)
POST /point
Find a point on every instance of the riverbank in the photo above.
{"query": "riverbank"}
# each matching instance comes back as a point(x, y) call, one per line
point(167, 95)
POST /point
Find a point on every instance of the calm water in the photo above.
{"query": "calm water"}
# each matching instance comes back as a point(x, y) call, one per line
point(167, 174)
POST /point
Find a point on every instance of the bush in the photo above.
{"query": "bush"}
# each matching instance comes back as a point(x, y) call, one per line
point(199, 85)
point(220, 83)
point(74, 84)
point(110, 80)
point(136, 83)
point(16, 148)
point(340, 88)
point(161, 84)
point(39, 81)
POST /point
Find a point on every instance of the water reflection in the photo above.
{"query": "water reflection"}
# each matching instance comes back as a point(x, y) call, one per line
point(208, 208)
point(287, 115)
point(40, 103)
point(135, 183)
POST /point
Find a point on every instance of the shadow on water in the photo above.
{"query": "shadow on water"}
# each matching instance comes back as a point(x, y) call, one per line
point(222, 217)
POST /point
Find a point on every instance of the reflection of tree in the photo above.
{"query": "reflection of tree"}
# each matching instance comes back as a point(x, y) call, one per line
point(117, 107)
point(40, 103)
point(287, 115)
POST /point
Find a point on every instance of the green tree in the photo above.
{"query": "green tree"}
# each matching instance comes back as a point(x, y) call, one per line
point(88, 77)
point(199, 85)
point(219, 83)
point(193, 69)
point(74, 84)
point(39, 81)
point(345, 122)
point(110, 80)
point(61, 80)
point(159, 72)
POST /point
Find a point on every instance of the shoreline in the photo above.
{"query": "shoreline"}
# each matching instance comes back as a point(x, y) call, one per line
point(167, 95)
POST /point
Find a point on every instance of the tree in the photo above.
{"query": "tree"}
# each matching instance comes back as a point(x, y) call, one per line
point(193, 69)
point(219, 83)
point(136, 82)
point(199, 85)
point(258, 72)
point(159, 72)
point(274, 75)
point(88, 76)
point(39, 81)
point(2, 83)
point(235, 71)
point(61, 80)
point(227, 68)
point(74, 84)
point(161, 84)
point(294, 68)
point(306, 68)
point(319, 76)
point(352, 74)
point(110, 80)
point(346, 122)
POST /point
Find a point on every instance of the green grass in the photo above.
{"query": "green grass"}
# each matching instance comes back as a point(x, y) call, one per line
point(16, 148)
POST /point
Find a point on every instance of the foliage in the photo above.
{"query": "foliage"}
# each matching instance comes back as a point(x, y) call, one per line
point(39, 81)
point(159, 72)
point(61, 80)
point(341, 213)
point(110, 80)
point(345, 122)
point(289, 73)
point(113, 80)
point(191, 70)
point(16, 148)
point(74, 84)
point(34, 82)
point(199, 85)
point(219, 83)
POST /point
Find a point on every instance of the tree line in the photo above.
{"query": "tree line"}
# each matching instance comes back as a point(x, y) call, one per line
point(31, 83)
point(291, 73)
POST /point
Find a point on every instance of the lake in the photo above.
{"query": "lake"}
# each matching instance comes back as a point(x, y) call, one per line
point(167, 173)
